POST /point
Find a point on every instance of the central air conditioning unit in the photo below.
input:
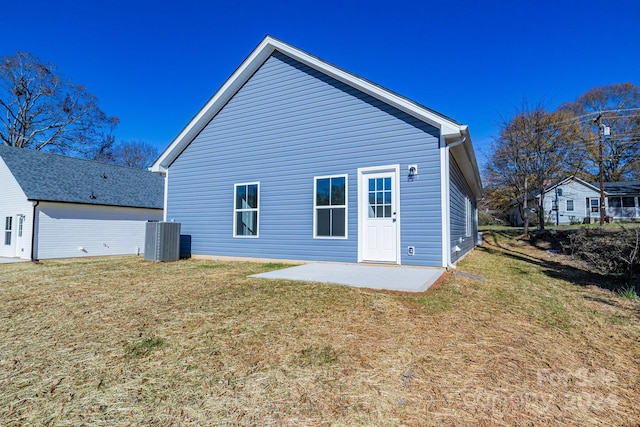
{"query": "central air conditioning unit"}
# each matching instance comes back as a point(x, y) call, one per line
point(162, 241)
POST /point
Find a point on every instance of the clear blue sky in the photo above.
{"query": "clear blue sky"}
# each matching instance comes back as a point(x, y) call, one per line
point(154, 64)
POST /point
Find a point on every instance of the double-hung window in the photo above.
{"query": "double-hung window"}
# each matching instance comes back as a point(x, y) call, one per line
point(569, 205)
point(330, 207)
point(468, 217)
point(246, 210)
point(7, 230)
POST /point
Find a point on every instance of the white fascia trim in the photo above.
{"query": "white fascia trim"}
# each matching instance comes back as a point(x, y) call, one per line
point(444, 198)
point(255, 60)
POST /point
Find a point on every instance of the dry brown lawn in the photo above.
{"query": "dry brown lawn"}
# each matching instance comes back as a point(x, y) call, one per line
point(121, 341)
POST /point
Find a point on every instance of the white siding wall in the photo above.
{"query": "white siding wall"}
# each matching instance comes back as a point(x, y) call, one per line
point(100, 230)
point(575, 191)
point(13, 203)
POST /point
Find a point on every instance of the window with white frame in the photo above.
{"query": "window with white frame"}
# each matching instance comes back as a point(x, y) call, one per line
point(8, 221)
point(246, 209)
point(468, 216)
point(330, 207)
point(569, 205)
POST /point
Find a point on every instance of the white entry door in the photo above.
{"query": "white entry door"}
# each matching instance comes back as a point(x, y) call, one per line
point(379, 214)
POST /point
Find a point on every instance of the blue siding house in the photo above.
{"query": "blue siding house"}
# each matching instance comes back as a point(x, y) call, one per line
point(294, 158)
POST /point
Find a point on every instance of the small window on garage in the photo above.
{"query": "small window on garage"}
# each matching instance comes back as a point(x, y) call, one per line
point(8, 221)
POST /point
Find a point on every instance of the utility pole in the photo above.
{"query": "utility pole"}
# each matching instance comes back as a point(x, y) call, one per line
point(598, 120)
point(557, 208)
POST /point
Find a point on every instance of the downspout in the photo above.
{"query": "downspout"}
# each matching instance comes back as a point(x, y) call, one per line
point(166, 195)
point(453, 144)
point(33, 232)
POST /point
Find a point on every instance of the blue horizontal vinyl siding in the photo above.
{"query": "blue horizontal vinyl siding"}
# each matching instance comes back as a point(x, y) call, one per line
point(286, 125)
point(459, 191)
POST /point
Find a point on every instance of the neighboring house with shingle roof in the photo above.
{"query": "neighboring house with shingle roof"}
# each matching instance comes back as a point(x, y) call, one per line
point(54, 206)
point(572, 200)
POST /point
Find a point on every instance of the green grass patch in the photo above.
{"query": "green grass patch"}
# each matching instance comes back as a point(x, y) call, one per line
point(435, 301)
point(275, 265)
point(628, 293)
point(319, 356)
point(143, 347)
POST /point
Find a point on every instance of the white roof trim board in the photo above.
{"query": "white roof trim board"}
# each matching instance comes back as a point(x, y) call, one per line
point(450, 129)
point(566, 180)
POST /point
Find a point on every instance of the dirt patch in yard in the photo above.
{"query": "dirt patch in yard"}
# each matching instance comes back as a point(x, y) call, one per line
point(126, 342)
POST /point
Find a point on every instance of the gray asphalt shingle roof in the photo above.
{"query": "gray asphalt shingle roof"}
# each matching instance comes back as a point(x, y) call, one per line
point(56, 178)
point(620, 188)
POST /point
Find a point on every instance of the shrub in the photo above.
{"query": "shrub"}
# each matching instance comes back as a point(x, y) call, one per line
point(611, 252)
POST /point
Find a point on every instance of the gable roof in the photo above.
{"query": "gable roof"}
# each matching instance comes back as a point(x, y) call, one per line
point(55, 178)
point(594, 187)
point(451, 130)
point(610, 188)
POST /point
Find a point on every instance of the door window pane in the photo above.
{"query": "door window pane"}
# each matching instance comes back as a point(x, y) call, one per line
point(380, 198)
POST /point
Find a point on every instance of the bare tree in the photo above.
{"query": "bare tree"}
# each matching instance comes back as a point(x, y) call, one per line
point(508, 171)
point(41, 110)
point(619, 105)
point(531, 150)
point(135, 154)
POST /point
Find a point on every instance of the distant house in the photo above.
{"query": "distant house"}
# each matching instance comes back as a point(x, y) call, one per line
point(54, 206)
point(574, 201)
point(295, 158)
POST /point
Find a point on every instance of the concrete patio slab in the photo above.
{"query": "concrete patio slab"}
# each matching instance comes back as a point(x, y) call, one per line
point(393, 278)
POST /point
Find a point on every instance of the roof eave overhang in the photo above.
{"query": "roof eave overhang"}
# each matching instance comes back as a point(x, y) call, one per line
point(75, 202)
point(448, 128)
point(466, 159)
